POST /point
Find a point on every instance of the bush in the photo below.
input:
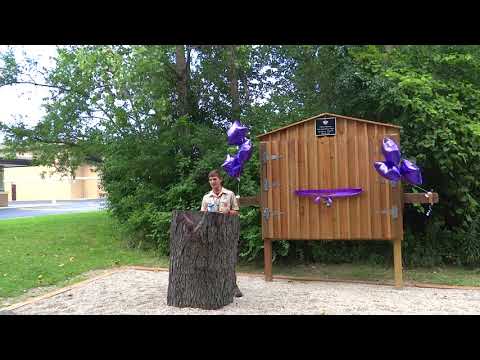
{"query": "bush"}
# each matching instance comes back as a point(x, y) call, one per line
point(251, 243)
point(469, 243)
point(160, 233)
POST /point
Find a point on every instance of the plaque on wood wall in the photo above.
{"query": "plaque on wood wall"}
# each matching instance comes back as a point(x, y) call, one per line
point(326, 126)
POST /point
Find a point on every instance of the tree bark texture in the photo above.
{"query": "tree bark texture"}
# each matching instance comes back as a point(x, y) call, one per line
point(233, 74)
point(203, 252)
point(182, 72)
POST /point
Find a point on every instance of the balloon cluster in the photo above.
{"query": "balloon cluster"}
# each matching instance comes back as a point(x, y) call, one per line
point(394, 167)
point(233, 165)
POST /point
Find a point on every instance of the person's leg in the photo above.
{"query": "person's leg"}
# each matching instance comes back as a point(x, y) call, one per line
point(236, 290)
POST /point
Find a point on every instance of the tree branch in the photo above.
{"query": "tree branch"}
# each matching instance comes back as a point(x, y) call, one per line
point(37, 84)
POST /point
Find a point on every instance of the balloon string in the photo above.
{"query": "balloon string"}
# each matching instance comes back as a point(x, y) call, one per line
point(430, 205)
point(238, 187)
point(420, 188)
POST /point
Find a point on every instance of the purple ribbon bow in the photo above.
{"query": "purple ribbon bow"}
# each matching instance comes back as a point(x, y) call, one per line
point(327, 195)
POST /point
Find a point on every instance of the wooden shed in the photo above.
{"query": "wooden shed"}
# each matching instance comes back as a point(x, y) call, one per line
point(300, 156)
point(331, 156)
point(328, 151)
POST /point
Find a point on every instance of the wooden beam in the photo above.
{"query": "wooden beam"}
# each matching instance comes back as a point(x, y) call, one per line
point(419, 198)
point(267, 254)
point(245, 201)
point(397, 262)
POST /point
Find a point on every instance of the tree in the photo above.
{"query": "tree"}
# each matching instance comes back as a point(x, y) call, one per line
point(233, 77)
point(182, 71)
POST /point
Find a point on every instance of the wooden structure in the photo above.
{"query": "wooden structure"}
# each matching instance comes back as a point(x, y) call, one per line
point(203, 252)
point(341, 154)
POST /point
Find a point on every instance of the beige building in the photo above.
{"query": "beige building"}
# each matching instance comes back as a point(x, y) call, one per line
point(21, 182)
point(43, 183)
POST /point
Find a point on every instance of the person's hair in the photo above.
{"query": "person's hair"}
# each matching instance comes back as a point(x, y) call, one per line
point(216, 173)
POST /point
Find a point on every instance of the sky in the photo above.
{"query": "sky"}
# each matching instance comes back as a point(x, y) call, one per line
point(25, 100)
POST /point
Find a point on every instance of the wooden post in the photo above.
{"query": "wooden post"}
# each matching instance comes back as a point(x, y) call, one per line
point(203, 251)
point(267, 252)
point(397, 262)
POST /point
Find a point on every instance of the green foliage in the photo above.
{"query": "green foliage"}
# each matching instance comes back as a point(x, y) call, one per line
point(9, 69)
point(469, 243)
point(251, 236)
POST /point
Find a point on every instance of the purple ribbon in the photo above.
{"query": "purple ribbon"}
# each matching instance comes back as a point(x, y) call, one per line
point(327, 195)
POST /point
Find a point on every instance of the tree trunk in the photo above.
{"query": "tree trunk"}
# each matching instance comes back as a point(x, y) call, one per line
point(246, 90)
point(181, 70)
point(234, 83)
point(203, 252)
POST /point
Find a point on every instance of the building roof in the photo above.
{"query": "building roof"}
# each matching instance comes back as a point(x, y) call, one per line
point(329, 114)
point(20, 159)
point(14, 163)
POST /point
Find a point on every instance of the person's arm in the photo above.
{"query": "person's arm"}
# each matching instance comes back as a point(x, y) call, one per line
point(204, 205)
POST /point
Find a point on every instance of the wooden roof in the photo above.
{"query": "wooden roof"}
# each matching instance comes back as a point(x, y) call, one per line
point(329, 114)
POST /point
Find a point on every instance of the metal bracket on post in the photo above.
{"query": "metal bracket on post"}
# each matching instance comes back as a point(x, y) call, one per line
point(267, 186)
point(393, 184)
point(267, 213)
point(266, 157)
point(393, 212)
point(386, 182)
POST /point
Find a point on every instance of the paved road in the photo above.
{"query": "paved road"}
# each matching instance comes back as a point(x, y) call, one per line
point(17, 209)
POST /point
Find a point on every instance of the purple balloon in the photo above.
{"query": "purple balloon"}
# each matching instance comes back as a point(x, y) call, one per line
point(388, 170)
point(229, 163)
point(410, 172)
point(232, 166)
point(245, 151)
point(236, 133)
point(391, 151)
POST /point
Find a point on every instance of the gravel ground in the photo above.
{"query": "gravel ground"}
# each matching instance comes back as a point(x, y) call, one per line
point(145, 292)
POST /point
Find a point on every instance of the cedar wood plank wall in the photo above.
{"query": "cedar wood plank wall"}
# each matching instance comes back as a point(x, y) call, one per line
point(344, 160)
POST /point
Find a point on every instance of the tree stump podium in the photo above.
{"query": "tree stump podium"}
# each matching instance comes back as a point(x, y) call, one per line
point(203, 251)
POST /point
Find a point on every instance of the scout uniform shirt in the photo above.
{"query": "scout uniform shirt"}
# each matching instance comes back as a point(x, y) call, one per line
point(223, 202)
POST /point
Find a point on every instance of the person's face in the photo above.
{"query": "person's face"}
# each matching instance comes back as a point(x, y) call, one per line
point(215, 182)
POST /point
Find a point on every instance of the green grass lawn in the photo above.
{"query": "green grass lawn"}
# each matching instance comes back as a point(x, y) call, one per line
point(438, 275)
point(48, 250)
point(57, 249)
